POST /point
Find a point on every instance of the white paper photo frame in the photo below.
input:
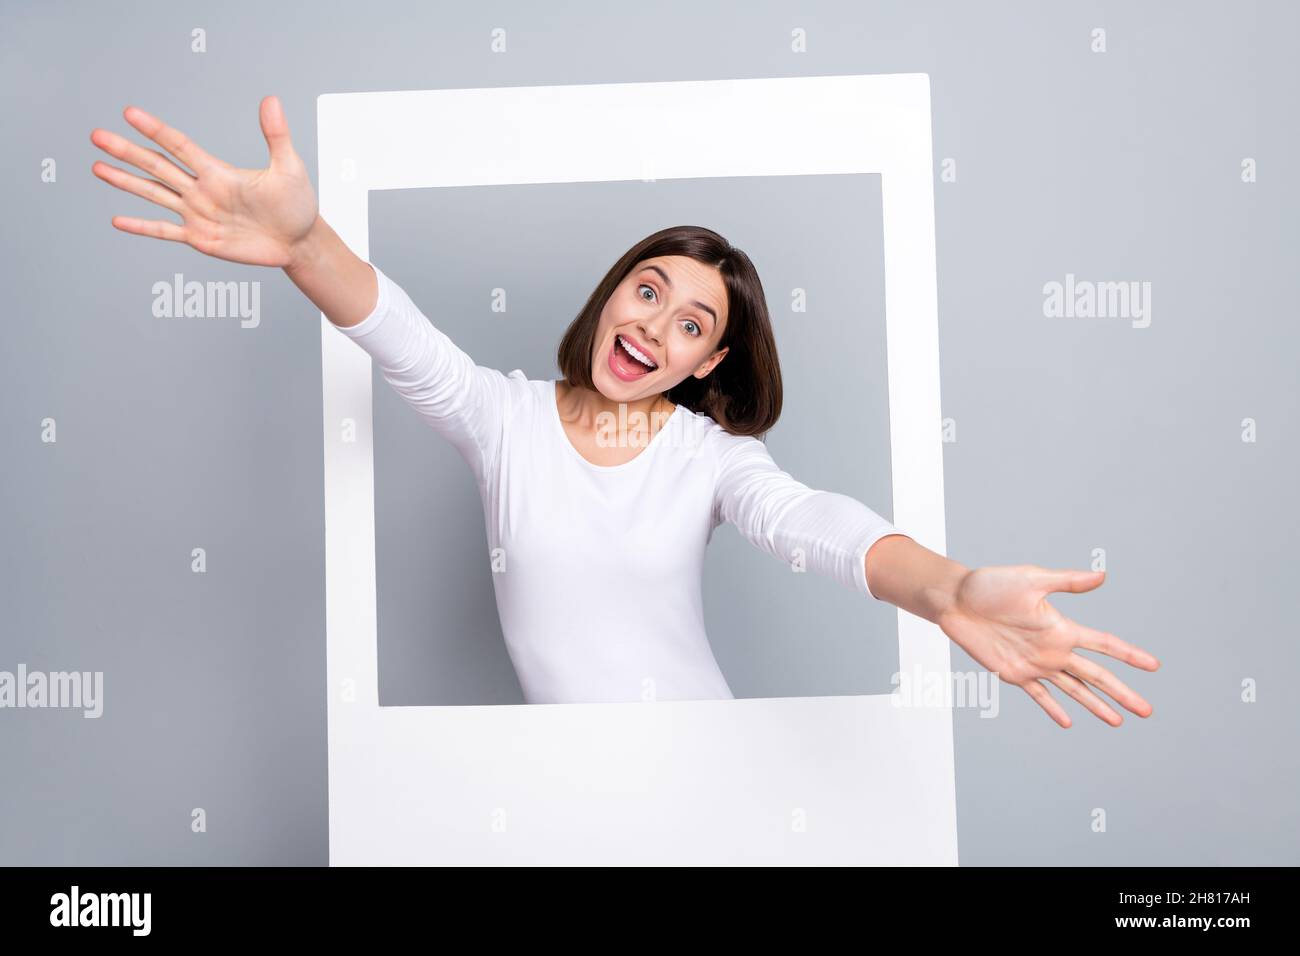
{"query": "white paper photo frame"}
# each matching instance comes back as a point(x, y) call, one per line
point(791, 780)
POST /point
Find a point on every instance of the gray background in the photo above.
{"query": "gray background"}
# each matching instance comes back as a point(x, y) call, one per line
point(1072, 434)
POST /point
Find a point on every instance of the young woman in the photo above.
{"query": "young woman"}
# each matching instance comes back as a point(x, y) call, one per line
point(601, 489)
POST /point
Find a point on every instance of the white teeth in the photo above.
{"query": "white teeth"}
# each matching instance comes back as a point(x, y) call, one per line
point(643, 359)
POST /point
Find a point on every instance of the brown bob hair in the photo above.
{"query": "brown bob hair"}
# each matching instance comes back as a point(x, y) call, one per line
point(743, 392)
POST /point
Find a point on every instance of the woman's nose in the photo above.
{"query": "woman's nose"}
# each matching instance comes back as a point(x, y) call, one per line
point(652, 330)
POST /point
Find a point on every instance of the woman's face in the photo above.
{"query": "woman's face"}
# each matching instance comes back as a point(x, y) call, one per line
point(672, 310)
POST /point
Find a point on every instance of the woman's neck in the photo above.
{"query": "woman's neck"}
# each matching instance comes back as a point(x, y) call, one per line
point(584, 407)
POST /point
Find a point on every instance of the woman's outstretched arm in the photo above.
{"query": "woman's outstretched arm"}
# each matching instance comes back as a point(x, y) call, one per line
point(338, 281)
point(270, 217)
point(261, 217)
point(464, 402)
point(911, 576)
point(1000, 617)
point(829, 533)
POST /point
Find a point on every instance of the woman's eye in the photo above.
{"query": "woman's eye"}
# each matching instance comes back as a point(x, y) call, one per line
point(692, 328)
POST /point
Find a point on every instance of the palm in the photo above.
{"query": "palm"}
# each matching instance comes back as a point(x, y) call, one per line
point(253, 216)
point(257, 215)
point(1000, 616)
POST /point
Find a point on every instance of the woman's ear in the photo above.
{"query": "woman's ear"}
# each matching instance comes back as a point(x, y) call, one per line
point(712, 362)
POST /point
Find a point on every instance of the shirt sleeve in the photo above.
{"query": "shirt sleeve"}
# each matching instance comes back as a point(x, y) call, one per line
point(464, 402)
point(779, 514)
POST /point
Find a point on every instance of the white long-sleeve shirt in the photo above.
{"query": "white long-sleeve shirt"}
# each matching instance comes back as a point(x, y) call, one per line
point(597, 568)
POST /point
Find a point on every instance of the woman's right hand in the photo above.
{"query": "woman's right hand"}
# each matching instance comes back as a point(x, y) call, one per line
point(255, 216)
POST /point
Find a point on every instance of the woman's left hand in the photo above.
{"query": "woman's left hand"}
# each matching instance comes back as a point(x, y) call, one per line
point(1001, 618)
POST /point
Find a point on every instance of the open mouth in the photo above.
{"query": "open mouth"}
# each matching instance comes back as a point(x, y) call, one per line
point(627, 362)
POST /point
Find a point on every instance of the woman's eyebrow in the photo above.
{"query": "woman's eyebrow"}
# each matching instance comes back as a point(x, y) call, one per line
point(669, 283)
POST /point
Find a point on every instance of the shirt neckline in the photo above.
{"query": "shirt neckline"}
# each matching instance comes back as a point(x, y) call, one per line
point(564, 436)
